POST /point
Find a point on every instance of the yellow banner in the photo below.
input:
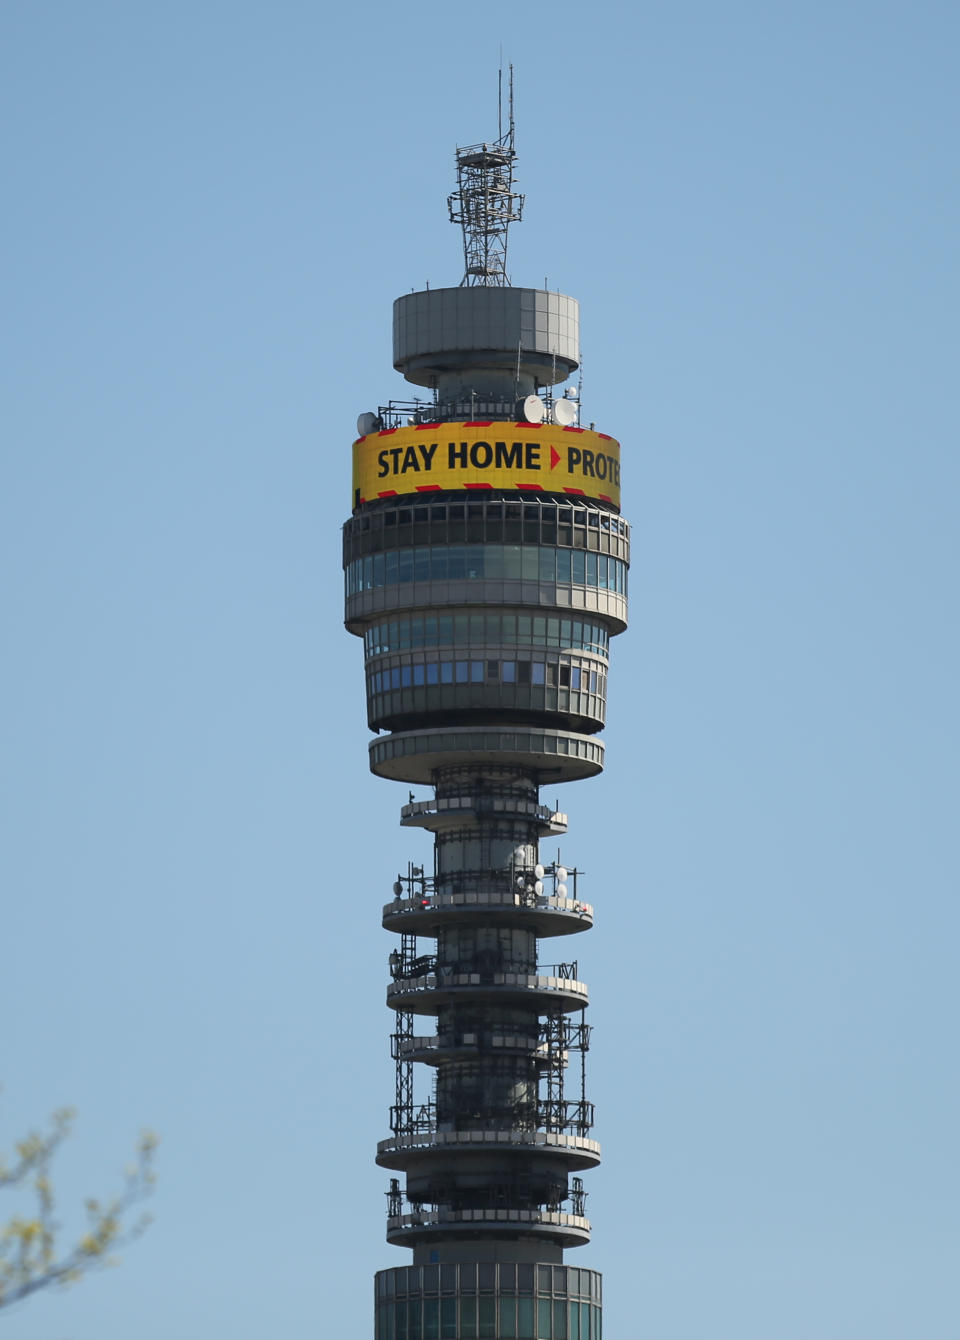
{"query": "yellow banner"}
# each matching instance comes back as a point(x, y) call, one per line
point(522, 456)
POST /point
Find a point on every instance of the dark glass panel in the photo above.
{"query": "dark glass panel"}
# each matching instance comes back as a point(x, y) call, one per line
point(448, 1319)
point(468, 1319)
point(487, 1319)
point(525, 1329)
point(544, 1319)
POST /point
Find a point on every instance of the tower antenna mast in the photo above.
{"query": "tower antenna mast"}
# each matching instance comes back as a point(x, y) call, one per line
point(485, 203)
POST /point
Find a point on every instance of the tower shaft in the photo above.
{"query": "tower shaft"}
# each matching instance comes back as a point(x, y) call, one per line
point(486, 570)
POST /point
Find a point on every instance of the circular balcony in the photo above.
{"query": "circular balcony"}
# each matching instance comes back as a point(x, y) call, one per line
point(423, 995)
point(452, 811)
point(434, 1050)
point(551, 755)
point(400, 1151)
point(546, 915)
point(569, 1230)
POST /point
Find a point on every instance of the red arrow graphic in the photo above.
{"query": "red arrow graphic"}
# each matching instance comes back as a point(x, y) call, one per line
point(554, 457)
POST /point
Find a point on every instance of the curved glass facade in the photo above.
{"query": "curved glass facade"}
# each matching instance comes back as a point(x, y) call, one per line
point(488, 1301)
point(464, 562)
point(427, 671)
point(489, 521)
point(491, 630)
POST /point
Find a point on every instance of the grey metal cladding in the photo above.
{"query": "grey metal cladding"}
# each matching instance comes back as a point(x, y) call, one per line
point(448, 319)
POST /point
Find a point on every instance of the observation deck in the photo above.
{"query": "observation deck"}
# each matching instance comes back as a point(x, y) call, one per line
point(567, 1230)
point(551, 987)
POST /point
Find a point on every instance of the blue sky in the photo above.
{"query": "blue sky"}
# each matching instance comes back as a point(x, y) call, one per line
point(209, 211)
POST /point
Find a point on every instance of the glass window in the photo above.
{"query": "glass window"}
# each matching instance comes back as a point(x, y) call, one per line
point(414, 1320)
point(559, 1319)
point(584, 1321)
point(487, 1318)
point(395, 677)
point(486, 1277)
point(591, 569)
point(418, 674)
point(508, 1318)
point(508, 672)
point(476, 672)
point(512, 561)
point(564, 560)
point(523, 672)
point(379, 567)
point(445, 627)
point(468, 1318)
point(544, 1279)
point(574, 677)
point(406, 676)
point(578, 566)
point(475, 557)
point(463, 671)
point(368, 573)
point(508, 1278)
point(456, 562)
point(529, 563)
point(525, 1318)
point(536, 672)
point(448, 1318)
point(433, 673)
point(544, 1319)
point(574, 1321)
point(524, 1279)
point(493, 671)
point(431, 1319)
point(539, 631)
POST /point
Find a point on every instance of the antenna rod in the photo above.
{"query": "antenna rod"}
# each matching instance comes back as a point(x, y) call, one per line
point(485, 202)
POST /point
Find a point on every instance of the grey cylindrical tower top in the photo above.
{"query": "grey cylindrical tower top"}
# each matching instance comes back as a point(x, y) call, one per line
point(446, 332)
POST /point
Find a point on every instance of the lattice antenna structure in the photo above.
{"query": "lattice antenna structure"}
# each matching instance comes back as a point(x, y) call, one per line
point(485, 203)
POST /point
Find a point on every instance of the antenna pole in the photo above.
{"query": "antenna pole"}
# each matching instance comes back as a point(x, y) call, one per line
point(485, 202)
point(500, 101)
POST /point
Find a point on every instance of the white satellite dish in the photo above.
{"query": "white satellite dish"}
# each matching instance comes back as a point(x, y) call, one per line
point(564, 413)
point(533, 409)
point(367, 423)
point(560, 873)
